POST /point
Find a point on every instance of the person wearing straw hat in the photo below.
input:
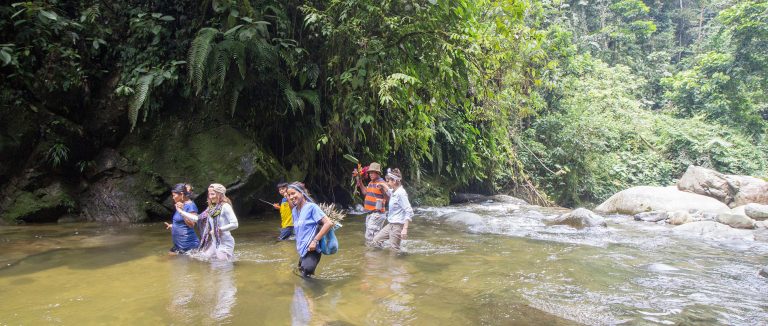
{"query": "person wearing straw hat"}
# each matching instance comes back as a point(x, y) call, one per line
point(375, 201)
point(399, 215)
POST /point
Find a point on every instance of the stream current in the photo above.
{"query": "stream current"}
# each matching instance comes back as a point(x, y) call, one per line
point(506, 268)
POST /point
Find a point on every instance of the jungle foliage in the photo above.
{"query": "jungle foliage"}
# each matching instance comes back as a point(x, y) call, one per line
point(561, 100)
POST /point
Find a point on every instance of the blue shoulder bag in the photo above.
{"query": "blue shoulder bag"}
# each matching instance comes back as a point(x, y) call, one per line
point(329, 244)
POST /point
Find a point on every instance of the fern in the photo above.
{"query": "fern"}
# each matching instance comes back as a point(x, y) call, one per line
point(198, 56)
point(294, 102)
point(139, 98)
point(222, 62)
point(311, 97)
point(235, 94)
point(238, 54)
point(313, 72)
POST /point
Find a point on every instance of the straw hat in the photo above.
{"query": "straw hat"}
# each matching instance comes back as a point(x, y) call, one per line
point(374, 167)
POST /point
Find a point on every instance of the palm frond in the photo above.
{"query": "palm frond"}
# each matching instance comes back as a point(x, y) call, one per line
point(333, 213)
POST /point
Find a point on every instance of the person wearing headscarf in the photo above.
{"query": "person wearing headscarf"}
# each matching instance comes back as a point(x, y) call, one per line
point(182, 227)
point(310, 224)
point(215, 225)
point(399, 215)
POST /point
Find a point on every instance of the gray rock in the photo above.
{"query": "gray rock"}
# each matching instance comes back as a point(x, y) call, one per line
point(680, 218)
point(756, 211)
point(654, 216)
point(579, 218)
point(736, 221)
point(761, 224)
point(748, 190)
point(739, 210)
point(761, 234)
point(463, 218)
point(764, 271)
point(121, 199)
point(733, 190)
point(711, 229)
point(706, 182)
point(645, 199)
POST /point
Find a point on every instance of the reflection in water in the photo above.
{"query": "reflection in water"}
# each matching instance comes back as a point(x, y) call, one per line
point(386, 280)
point(202, 292)
point(182, 285)
point(301, 307)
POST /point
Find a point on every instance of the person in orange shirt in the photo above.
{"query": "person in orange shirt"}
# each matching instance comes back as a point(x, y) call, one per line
point(375, 203)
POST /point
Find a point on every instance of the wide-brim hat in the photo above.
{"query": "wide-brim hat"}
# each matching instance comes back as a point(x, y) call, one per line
point(375, 167)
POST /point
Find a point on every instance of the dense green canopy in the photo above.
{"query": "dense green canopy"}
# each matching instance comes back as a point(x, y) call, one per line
point(555, 100)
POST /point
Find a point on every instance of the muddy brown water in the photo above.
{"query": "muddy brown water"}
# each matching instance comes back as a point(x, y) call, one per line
point(506, 269)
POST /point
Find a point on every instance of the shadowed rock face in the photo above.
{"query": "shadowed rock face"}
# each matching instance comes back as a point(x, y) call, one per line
point(645, 199)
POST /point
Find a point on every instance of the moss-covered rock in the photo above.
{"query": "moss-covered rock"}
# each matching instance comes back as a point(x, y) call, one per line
point(39, 206)
point(215, 155)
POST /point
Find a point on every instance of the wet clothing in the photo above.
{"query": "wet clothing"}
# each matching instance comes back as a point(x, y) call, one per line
point(373, 224)
point(217, 241)
point(306, 224)
point(285, 233)
point(391, 232)
point(373, 193)
point(400, 210)
point(308, 263)
point(286, 217)
point(182, 235)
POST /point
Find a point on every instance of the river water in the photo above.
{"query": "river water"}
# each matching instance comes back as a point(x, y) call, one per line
point(506, 268)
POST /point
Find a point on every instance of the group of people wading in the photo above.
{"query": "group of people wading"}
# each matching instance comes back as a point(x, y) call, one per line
point(385, 202)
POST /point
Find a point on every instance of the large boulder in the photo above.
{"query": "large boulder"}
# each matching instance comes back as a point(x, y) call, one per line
point(736, 221)
point(220, 154)
point(706, 182)
point(748, 190)
point(119, 192)
point(579, 218)
point(733, 190)
point(645, 199)
point(756, 211)
point(710, 229)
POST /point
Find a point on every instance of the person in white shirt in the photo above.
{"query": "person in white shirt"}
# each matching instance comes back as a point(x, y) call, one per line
point(215, 224)
point(399, 214)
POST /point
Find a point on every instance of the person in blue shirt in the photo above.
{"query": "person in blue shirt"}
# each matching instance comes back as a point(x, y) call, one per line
point(310, 224)
point(182, 228)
